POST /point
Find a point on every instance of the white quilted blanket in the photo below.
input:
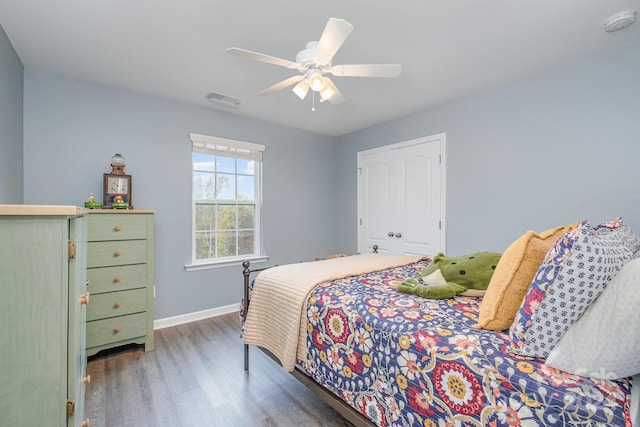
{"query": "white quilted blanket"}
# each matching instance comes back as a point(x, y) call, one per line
point(276, 320)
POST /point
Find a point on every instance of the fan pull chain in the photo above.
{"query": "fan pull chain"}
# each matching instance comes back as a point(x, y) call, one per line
point(313, 100)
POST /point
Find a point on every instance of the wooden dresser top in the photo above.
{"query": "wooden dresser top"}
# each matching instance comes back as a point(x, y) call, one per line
point(41, 210)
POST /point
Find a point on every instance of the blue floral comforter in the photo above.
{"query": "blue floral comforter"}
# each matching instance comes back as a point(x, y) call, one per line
point(403, 360)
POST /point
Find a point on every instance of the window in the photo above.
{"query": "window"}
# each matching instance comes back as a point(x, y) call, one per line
point(226, 201)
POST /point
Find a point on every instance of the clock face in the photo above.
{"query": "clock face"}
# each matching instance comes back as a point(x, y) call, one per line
point(117, 185)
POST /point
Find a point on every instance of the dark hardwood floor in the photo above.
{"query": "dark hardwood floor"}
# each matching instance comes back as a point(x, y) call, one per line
point(195, 377)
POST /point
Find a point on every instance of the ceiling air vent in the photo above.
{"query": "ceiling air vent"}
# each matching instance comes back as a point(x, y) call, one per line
point(224, 100)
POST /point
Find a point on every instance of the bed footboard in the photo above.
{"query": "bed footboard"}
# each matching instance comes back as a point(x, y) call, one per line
point(246, 273)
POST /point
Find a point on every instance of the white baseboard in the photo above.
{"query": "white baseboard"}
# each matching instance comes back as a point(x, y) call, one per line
point(195, 316)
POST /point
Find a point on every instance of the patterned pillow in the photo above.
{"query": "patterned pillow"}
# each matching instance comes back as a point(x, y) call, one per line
point(572, 275)
point(607, 350)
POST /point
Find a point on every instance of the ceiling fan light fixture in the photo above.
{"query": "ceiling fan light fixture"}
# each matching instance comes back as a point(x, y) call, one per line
point(316, 81)
point(326, 92)
point(301, 89)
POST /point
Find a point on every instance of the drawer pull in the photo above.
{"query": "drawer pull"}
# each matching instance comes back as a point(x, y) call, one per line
point(85, 423)
point(84, 299)
point(87, 379)
point(116, 305)
point(117, 228)
point(116, 254)
point(117, 279)
point(116, 330)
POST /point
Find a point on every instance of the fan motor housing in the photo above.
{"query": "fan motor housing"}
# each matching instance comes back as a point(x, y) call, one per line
point(305, 56)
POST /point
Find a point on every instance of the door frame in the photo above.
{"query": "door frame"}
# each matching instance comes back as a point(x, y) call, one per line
point(441, 139)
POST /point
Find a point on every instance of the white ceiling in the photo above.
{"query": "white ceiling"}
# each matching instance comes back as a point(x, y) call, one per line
point(176, 49)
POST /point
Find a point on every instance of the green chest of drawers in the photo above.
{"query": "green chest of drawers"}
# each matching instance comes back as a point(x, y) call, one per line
point(120, 275)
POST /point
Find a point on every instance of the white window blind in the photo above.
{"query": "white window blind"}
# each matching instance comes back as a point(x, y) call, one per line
point(226, 147)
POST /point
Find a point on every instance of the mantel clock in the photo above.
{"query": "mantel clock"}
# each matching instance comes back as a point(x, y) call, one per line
point(117, 183)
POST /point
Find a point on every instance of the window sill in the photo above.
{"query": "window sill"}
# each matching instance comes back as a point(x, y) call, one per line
point(225, 263)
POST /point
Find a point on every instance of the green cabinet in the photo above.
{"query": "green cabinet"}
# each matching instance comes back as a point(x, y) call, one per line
point(120, 275)
point(43, 313)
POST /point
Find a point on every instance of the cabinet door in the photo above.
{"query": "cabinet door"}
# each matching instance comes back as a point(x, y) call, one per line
point(77, 380)
point(400, 198)
point(33, 313)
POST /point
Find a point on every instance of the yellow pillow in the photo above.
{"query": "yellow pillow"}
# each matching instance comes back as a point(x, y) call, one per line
point(513, 275)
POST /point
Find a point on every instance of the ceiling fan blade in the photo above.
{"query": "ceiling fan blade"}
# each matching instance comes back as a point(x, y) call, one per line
point(367, 70)
point(281, 85)
point(334, 95)
point(263, 58)
point(333, 36)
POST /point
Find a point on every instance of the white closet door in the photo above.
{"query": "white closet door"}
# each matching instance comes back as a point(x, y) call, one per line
point(375, 196)
point(401, 198)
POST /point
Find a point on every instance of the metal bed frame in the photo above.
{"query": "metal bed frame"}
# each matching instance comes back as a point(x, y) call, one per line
point(349, 413)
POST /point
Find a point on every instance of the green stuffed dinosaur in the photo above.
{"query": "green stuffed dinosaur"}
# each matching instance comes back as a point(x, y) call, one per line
point(445, 277)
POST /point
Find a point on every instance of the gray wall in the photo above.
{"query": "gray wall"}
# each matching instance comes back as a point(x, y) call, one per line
point(11, 70)
point(560, 147)
point(72, 128)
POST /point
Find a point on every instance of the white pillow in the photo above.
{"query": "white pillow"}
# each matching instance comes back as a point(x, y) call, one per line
point(605, 342)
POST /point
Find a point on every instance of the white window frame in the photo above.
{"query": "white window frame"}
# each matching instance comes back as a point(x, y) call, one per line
point(236, 149)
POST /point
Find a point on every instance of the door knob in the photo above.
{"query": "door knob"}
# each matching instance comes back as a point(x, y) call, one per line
point(84, 298)
point(398, 235)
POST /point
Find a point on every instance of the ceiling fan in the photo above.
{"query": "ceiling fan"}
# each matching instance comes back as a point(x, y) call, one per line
point(314, 62)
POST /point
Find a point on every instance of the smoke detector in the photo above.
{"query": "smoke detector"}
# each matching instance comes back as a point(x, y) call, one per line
point(222, 99)
point(620, 20)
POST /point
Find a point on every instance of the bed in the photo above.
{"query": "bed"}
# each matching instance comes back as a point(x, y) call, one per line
point(385, 358)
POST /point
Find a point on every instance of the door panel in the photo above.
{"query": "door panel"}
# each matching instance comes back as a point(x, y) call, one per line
point(420, 188)
point(375, 197)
